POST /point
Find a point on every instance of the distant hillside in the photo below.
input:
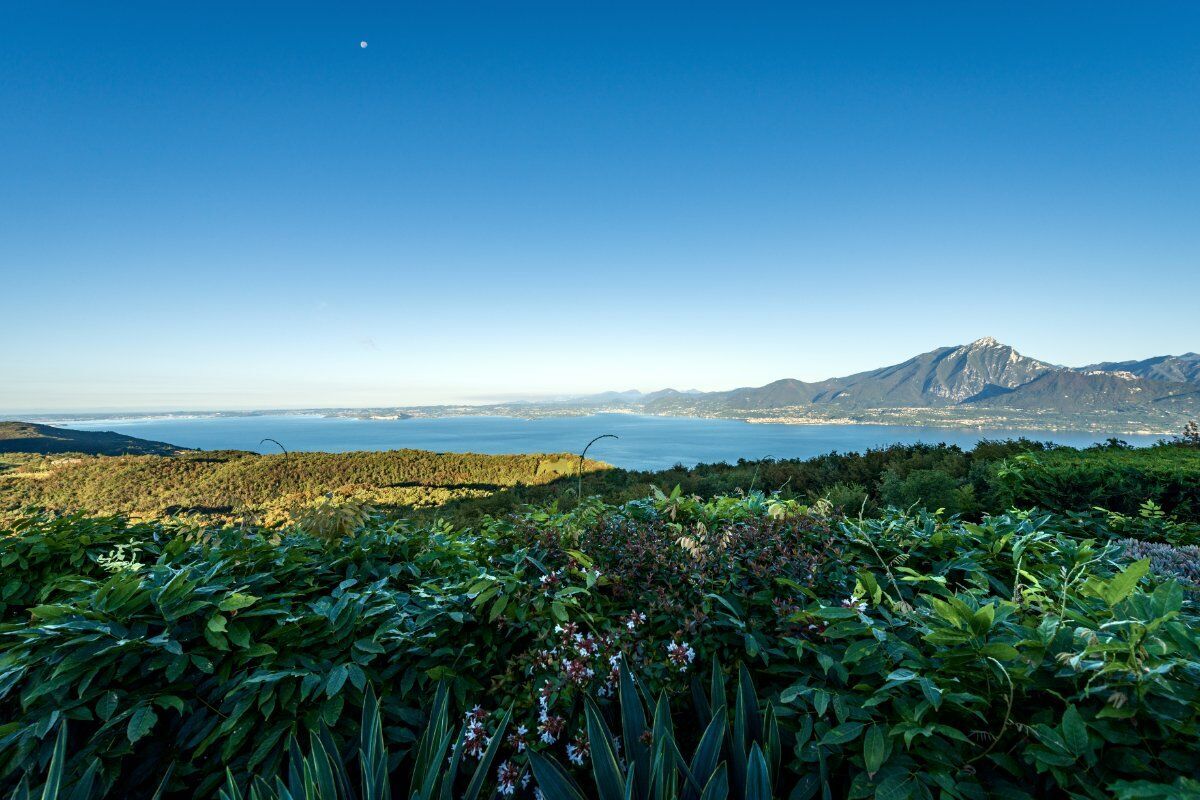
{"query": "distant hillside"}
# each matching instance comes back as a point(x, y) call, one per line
point(1092, 391)
point(983, 375)
point(1180, 369)
point(229, 485)
point(29, 437)
point(983, 384)
point(941, 377)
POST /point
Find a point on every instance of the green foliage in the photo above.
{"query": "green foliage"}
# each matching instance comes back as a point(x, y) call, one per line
point(844, 479)
point(224, 642)
point(849, 498)
point(912, 655)
point(927, 488)
point(1113, 479)
point(278, 490)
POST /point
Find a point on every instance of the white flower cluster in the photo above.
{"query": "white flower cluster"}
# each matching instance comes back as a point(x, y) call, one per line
point(850, 602)
point(550, 726)
point(507, 777)
point(578, 752)
point(476, 740)
point(681, 654)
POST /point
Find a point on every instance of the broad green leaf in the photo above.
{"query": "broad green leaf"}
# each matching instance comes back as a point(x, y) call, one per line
point(140, 723)
point(981, 621)
point(237, 601)
point(336, 680)
point(846, 732)
point(106, 705)
point(1123, 584)
point(1000, 651)
point(1074, 731)
point(875, 748)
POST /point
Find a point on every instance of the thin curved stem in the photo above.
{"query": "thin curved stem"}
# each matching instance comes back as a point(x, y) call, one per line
point(579, 484)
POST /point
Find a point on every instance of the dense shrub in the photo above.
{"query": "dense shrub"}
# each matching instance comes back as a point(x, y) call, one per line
point(849, 498)
point(907, 656)
point(927, 488)
point(225, 486)
point(41, 555)
point(1114, 479)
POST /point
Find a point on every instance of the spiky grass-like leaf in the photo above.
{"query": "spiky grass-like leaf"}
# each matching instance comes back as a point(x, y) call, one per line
point(552, 779)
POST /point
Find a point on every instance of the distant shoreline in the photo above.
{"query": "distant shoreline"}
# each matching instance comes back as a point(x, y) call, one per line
point(898, 417)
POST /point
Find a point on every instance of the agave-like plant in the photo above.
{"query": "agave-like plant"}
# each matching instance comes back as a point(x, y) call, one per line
point(53, 788)
point(321, 772)
point(733, 760)
point(431, 779)
point(54, 776)
point(319, 775)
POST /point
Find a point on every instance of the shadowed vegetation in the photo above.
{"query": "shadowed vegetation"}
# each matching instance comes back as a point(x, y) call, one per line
point(232, 485)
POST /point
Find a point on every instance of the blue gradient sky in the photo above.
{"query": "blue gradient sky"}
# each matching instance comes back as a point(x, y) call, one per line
point(233, 205)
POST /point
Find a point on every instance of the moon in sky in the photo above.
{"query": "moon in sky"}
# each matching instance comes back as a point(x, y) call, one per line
point(362, 44)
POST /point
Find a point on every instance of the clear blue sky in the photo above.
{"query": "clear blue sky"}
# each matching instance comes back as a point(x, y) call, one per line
point(234, 205)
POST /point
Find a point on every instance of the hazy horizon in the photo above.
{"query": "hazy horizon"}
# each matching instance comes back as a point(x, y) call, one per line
point(461, 400)
point(224, 207)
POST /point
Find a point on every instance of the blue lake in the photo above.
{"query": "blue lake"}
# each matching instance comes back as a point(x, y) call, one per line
point(645, 442)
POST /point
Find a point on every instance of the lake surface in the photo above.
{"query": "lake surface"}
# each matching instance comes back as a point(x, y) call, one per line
point(646, 442)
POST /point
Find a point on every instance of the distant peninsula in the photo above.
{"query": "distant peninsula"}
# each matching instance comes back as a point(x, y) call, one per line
point(28, 437)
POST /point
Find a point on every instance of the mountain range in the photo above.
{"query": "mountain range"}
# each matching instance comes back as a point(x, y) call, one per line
point(983, 379)
point(984, 384)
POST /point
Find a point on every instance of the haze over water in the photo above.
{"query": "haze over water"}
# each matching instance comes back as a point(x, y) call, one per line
point(646, 442)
